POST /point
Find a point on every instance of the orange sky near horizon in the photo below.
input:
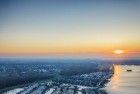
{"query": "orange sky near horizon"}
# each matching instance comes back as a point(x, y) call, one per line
point(67, 50)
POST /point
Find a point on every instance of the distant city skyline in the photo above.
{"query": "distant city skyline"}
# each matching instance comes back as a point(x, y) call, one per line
point(69, 27)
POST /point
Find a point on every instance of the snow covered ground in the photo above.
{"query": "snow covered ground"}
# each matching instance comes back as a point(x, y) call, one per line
point(52, 88)
point(14, 91)
point(50, 91)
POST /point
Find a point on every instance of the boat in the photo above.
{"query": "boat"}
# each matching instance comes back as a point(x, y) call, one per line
point(129, 70)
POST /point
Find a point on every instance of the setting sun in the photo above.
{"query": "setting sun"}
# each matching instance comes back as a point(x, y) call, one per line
point(118, 51)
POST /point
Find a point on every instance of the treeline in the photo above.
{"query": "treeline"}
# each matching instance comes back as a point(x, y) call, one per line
point(83, 68)
point(14, 79)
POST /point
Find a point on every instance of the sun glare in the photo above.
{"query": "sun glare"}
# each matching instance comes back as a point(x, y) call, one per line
point(118, 51)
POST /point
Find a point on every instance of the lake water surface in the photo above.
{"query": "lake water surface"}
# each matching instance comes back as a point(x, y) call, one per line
point(124, 82)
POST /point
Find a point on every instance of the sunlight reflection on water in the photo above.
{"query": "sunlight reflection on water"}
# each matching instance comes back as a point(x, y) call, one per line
point(124, 82)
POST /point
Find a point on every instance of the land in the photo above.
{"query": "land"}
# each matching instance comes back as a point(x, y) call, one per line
point(54, 76)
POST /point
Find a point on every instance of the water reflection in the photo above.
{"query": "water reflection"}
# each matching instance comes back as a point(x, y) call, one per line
point(124, 82)
point(116, 80)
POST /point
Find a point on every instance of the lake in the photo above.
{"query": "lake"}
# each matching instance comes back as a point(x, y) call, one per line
point(123, 81)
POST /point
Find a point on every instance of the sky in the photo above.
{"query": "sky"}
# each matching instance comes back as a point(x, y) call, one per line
point(69, 27)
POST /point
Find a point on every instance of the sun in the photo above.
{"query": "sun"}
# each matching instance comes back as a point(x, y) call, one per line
point(118, 51)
